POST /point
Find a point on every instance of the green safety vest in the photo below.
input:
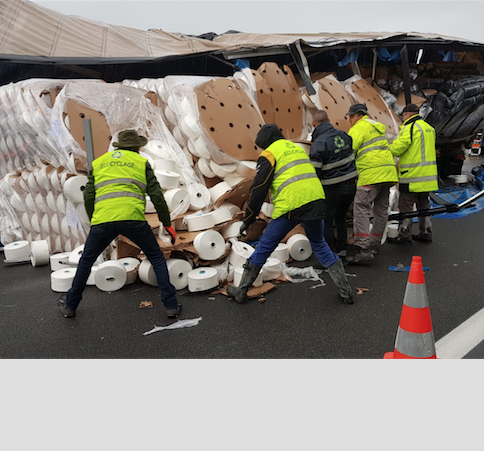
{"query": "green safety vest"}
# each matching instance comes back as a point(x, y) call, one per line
point(374, 161)
point(295, 180)
point(120, 184)
point(415, 147)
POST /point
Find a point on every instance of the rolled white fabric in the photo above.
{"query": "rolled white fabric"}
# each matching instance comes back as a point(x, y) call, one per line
point(201, 148)
point(281, 252)
point(167, 179)
point(392, 230)
point(221, 215)
point(111, 276)
point(149, 207)
point(238, 255)
point(51, 201)
point(61, 280)
point(17, 251)
point(17, 202)
point(151, 161)
point(202, 279)
point(219, 190)
point(74, 186)
point(231, 230)
point(40, 202)
point(26, 221)
point(199, 222)
point(146, 273)
point(61, 204)
point(55, 224)
point(178, 270)
point(29, 201)
point(299, 247)
point(177, 199)
point(238, 271)
point(233, 180)
point(39, 253)
point(35, 223)
point(131, 264)
point(199, 196)
point(59, 260)
point(233, 208)
point(210, 245)
point(164, 165)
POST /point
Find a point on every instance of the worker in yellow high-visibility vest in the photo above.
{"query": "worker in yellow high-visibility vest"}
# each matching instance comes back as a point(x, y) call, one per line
point(415, 147)
point(115, 202)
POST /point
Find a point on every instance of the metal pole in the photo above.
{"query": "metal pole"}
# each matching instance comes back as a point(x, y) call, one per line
point(88, 142)
point(406, 74)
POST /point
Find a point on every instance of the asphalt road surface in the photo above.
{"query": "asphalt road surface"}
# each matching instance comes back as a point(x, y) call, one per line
point(296, 321)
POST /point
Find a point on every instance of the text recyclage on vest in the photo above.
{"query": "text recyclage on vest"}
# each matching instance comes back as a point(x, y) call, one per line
point(117, 163)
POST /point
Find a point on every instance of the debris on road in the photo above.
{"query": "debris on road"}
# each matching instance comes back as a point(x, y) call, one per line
point(145, 304)
point(176, 325)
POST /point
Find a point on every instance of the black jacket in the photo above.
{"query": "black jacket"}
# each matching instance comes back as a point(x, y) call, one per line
point(332, 154)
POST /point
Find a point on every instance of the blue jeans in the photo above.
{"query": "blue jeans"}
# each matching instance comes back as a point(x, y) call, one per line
point(100, 236)
point(278, 228)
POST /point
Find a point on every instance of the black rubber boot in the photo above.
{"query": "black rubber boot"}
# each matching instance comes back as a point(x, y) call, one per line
point(248, 277)
point(66, 311)
point(337, 273)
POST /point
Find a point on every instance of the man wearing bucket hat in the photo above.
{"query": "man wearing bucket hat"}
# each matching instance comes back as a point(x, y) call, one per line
point(376, 174)
point(115, 202)
point(415, 147)
point(284, 168)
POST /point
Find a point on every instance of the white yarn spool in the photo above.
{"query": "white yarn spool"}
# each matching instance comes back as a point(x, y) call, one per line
point(91, 279)
point(299, 247)
point(247, 168)
point(149, 158)
point(75, 255)
point(54, 223)
point(177, 198)
point(179, 138)
point(221, 215)
point(149, 206)
point(202, 279)
point(51, 201)
point(61, 204)
point(29, 201)
point(231, 230)
point(146, 273)
point(204, 167)
point(190, 127)
point(199, 222)
point(111, 276)
point(164, 165)
point(267, 209)
point(272, 269)
point(167, 179)
point(74, 187)
point(178, 270)
point(59, 261)
point(61, 280)
point(55, 180)
point(199, 196)
point(232, 207)
point(35, 223)
point(238, 255)
point(210, 245)
point(238, 271)
point(45, 223)
point(17, 202)
point(40, 202)
point(233, 180)
point(219, 190)
point(281, 252)
point(201, 147)
point(26, 221)
point(222, 170)
point(131, 264)
point(392, 230)
point(39, 253)
point(17, 251)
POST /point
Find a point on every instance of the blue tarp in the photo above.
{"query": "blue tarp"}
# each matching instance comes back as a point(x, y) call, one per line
point(456, 195)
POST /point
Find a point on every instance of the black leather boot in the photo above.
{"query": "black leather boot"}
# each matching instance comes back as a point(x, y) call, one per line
point(248, 277)
point(337, 273)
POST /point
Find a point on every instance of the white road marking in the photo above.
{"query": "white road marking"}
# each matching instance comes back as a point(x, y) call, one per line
point(462, 339)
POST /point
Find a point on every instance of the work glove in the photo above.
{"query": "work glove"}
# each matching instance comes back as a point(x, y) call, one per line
point(172, 233)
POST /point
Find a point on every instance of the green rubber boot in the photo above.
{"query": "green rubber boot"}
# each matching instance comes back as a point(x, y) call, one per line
point(248, 277)
point(337, 273)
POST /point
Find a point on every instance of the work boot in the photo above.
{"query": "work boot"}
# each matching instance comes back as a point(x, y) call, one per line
point(361, 256)
point(174, 313)
point(424, 238)
point(66, 311)
point(249, 275)
point(337, 273)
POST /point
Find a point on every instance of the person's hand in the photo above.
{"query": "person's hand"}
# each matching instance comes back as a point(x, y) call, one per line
point(243, 229)
point(172, 233)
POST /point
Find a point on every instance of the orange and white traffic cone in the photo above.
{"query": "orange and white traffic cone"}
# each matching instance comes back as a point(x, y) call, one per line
point(415, 335)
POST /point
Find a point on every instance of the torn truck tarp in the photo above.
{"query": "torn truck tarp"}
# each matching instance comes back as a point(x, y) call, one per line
point(308, 273)
point(177, 325)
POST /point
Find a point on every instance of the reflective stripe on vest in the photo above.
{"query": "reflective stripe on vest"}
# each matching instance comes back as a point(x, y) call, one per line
point(339, 179)
point(339, 163)
point(296, 178)
point(113, 181)
point(369, 149)
point(288, 166)
point(119, 194)
point(426, 178)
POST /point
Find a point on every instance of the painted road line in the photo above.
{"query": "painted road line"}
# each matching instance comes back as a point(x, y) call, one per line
point(462, 339)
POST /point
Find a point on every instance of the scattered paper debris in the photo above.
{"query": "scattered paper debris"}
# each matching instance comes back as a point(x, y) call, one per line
point(455, 264)
point(176, 325)
point(261, 300)
point(211, 298)
point(146, 304)
point(361, 290)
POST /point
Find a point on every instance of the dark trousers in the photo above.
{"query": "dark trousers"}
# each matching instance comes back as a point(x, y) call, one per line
point(338, 201)
point(278, 228)
point(100, 236)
